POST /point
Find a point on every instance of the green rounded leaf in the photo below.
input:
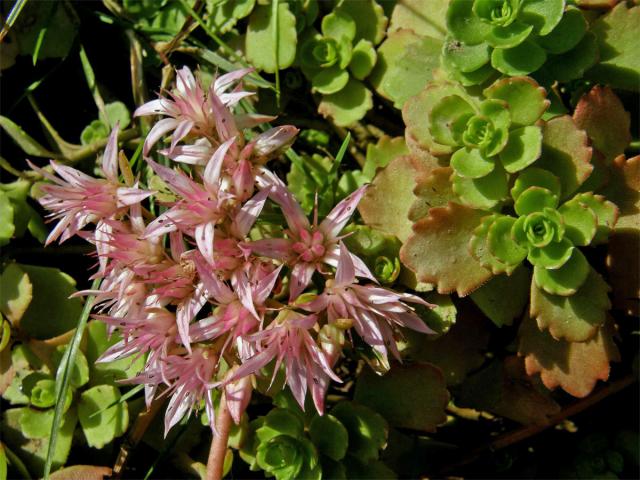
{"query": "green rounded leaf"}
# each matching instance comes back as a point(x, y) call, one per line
point(479, 248)
point(466, 58)
point(572, 64)
point(580, 222)
point(464, 25)
point(329, 436)
point(502, 245)
point(260, 39)
point(552, 256)
point(79, 371)
point(525, 98)
point(467, 79)
point(339, 25)
point(575, 318)
point(520, 60)
point(329, 80)
point(567, 33)
point(565, 280)
point(280, 421)
point(7, 227)
point(544, 15)
point(102, 416)
point(348, 105)
point(535, 199)
point(371, 21)
point(41, 389)
point(16, 293)
point(509, 36)
point(535, 177)
point(448, 118)
point(117, 112)
point(606, 213)
point(96, 130)
point(498, 112)
point(224, 15)
point(367, 429)
point(483, 192)
point(363, 59)
point(470, 163)
point(522, 149)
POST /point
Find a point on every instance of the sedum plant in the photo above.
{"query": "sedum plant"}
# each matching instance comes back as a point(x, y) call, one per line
point(546, 234)
point(516, 37)
point(340, 56)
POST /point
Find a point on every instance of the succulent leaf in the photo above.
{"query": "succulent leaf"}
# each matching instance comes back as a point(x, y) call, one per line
point(525, 98)
point(565, 280)
point(438, 249)
point(522, 149)
point(485, 192)
point(575, 318)
point(573, 366)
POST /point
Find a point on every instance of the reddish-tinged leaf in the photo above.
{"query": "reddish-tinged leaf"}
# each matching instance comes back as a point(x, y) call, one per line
point(575, 318)
point(81, 472)
point(438, 250)
point(601, 114)
point(565, 153)
point(432, 190)
point(408, 396)
point(386, 204)
point(504, 389)
point(573, 366)
point(500, 308)
point(624, 243)
point(597, 4)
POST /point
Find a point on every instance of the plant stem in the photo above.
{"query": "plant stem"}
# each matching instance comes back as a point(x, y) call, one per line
point(528, 431)
point(215, 464)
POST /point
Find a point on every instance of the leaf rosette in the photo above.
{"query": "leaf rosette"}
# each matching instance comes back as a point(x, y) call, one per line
point(488, 139)
point(516, 37)
point(545, 233)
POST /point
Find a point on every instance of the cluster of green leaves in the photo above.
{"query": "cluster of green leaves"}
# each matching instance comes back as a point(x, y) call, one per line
point(35, 302)
point(545, 234)
point(516, 37)
point(288, 443)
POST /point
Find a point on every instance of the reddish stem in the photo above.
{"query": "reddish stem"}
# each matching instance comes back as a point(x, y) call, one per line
point(218, 452)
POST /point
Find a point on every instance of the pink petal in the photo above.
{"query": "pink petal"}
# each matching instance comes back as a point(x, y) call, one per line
point(223, 82)
point(179, 182)
point(300, 278)
point(204, 235)
point(212, 170)
point(333, 224)
point(296, 219)
point(346, 272)
point(274, 139)
point(157, 132)
point(238, 394)
point(160, 106)
point(110, 156)
point(182, 130)
point(277, 248)
point(243, 179)
point(250, 120)
point(248, 214)
point(130, 196)
point(265, 285)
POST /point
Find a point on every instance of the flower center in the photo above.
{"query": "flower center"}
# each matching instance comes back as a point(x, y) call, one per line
point(310, 246)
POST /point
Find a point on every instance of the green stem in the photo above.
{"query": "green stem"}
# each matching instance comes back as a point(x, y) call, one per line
point(276, 42)
point(63, 378)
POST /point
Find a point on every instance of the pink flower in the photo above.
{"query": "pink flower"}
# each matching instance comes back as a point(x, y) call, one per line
point(199, 209)
point(309, 246)
point(191, 110)
point(287, 340)
point(376, 312)
point(240, 309)
point(153, 333)
point(78, 199)
point(190, 380)
point(177, 284)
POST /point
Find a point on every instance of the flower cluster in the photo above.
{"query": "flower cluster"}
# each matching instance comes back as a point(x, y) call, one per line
point(192, 283)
